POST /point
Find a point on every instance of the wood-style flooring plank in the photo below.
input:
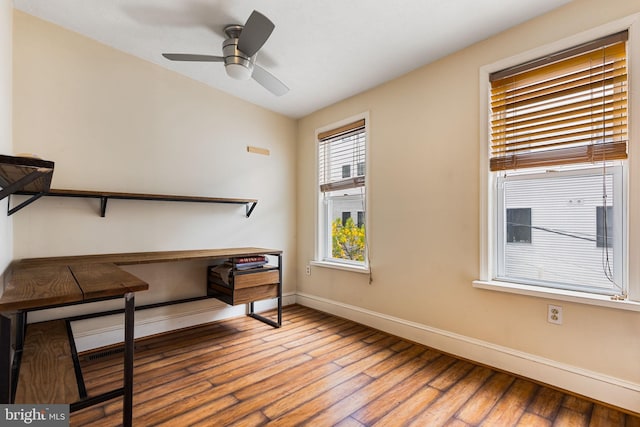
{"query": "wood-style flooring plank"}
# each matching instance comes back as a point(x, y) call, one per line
point(302, 413)
point(455, 397)
point(476, 409)
point(323, 385)
point(512, 405)
point(378, 408)
point(407, 364)
point(606, 417)
point(546, 403)
point(321, 370)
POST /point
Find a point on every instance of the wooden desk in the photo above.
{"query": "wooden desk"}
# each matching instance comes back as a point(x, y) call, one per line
point(40, 283)
point(133, 258)
point(39, 286)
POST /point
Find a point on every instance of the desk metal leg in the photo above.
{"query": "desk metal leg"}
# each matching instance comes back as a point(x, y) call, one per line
point(279, 290)
point(5, 360)
point(21, 332)
point(129, 311)
point(263, 319)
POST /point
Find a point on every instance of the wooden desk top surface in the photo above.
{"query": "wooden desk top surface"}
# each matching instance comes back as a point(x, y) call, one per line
point(40, 286)
point(43, 282)
point(151, 257)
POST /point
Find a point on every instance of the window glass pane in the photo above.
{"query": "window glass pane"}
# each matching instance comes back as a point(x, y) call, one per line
point(563, 250)
point(347, 237)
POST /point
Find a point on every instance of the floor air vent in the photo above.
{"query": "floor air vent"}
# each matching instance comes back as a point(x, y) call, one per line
point(105, 353)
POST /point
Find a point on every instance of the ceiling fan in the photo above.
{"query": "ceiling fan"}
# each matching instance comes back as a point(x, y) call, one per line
point(240, 50)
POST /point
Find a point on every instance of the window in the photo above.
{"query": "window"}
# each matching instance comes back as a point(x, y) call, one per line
point(557, 163)
point(342, 150)
point(360, 218)
point(345, 217)
point(518, 225)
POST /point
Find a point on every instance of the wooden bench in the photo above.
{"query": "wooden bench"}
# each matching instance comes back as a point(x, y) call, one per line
point(43, 369)
point(47, 371)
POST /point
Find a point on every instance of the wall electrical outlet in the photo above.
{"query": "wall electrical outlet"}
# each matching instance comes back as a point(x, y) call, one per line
point(554, 314)
point(308, 270)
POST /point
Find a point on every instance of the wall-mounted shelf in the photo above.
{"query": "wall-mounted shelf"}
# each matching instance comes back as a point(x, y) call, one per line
point(104, 197)
point(32, 177)
point(25, 174)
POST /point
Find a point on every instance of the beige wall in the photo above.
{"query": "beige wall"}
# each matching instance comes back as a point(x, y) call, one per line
point(6, 24)
point(424, 212)
point(114, 122)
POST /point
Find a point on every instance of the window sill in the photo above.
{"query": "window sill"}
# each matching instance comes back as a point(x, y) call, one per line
point(557, 294)
point(339, 266)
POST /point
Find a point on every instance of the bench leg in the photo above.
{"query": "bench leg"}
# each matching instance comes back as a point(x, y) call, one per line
point(5, 360)
point(129, 311)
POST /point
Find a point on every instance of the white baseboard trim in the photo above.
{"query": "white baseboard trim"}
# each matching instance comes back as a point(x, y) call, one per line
point(601, 387)
point(108, 330)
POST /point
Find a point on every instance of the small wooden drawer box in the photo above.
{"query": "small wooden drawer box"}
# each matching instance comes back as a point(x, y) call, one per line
point(248, 280)
point(244, 286)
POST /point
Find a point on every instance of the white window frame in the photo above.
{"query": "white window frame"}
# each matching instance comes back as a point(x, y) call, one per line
point(323, 239)
point(631, 175)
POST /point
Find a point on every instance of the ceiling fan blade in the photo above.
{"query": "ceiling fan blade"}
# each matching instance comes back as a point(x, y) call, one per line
point(255, 33)
point(191, 57)
point(269, 81)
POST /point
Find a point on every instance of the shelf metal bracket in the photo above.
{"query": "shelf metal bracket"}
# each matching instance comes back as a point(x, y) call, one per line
point(103, 206)
point(18, 173)
point(24, 204)
point(250, 207)
point(20, 184)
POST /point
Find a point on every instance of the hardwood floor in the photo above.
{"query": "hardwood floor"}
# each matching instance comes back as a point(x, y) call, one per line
point(320, 370)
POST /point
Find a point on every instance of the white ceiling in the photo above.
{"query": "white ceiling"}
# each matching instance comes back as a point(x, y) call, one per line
point(324, 50)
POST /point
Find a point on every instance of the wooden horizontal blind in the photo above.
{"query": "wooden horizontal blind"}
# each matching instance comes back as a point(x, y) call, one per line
point(567, 108)
point(342, 157)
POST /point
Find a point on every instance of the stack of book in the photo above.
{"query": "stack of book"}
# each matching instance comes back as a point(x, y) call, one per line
point(222, 273)
point(245, 263)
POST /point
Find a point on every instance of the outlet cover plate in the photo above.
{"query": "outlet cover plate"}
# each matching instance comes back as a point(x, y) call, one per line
point(554, 314)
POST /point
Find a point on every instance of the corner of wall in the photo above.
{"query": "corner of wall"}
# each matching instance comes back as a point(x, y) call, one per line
point(6, 107)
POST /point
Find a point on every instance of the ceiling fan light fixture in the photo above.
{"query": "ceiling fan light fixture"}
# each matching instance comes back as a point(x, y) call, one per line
point(238, 65)
point(238, 71)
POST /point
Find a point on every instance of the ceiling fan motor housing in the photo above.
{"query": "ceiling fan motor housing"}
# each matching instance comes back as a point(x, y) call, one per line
point(236, 63)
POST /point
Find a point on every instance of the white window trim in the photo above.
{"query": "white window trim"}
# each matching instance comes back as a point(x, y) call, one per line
point(556, 294)
point(342, 266)
point(319, 238)
point(487, 180)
